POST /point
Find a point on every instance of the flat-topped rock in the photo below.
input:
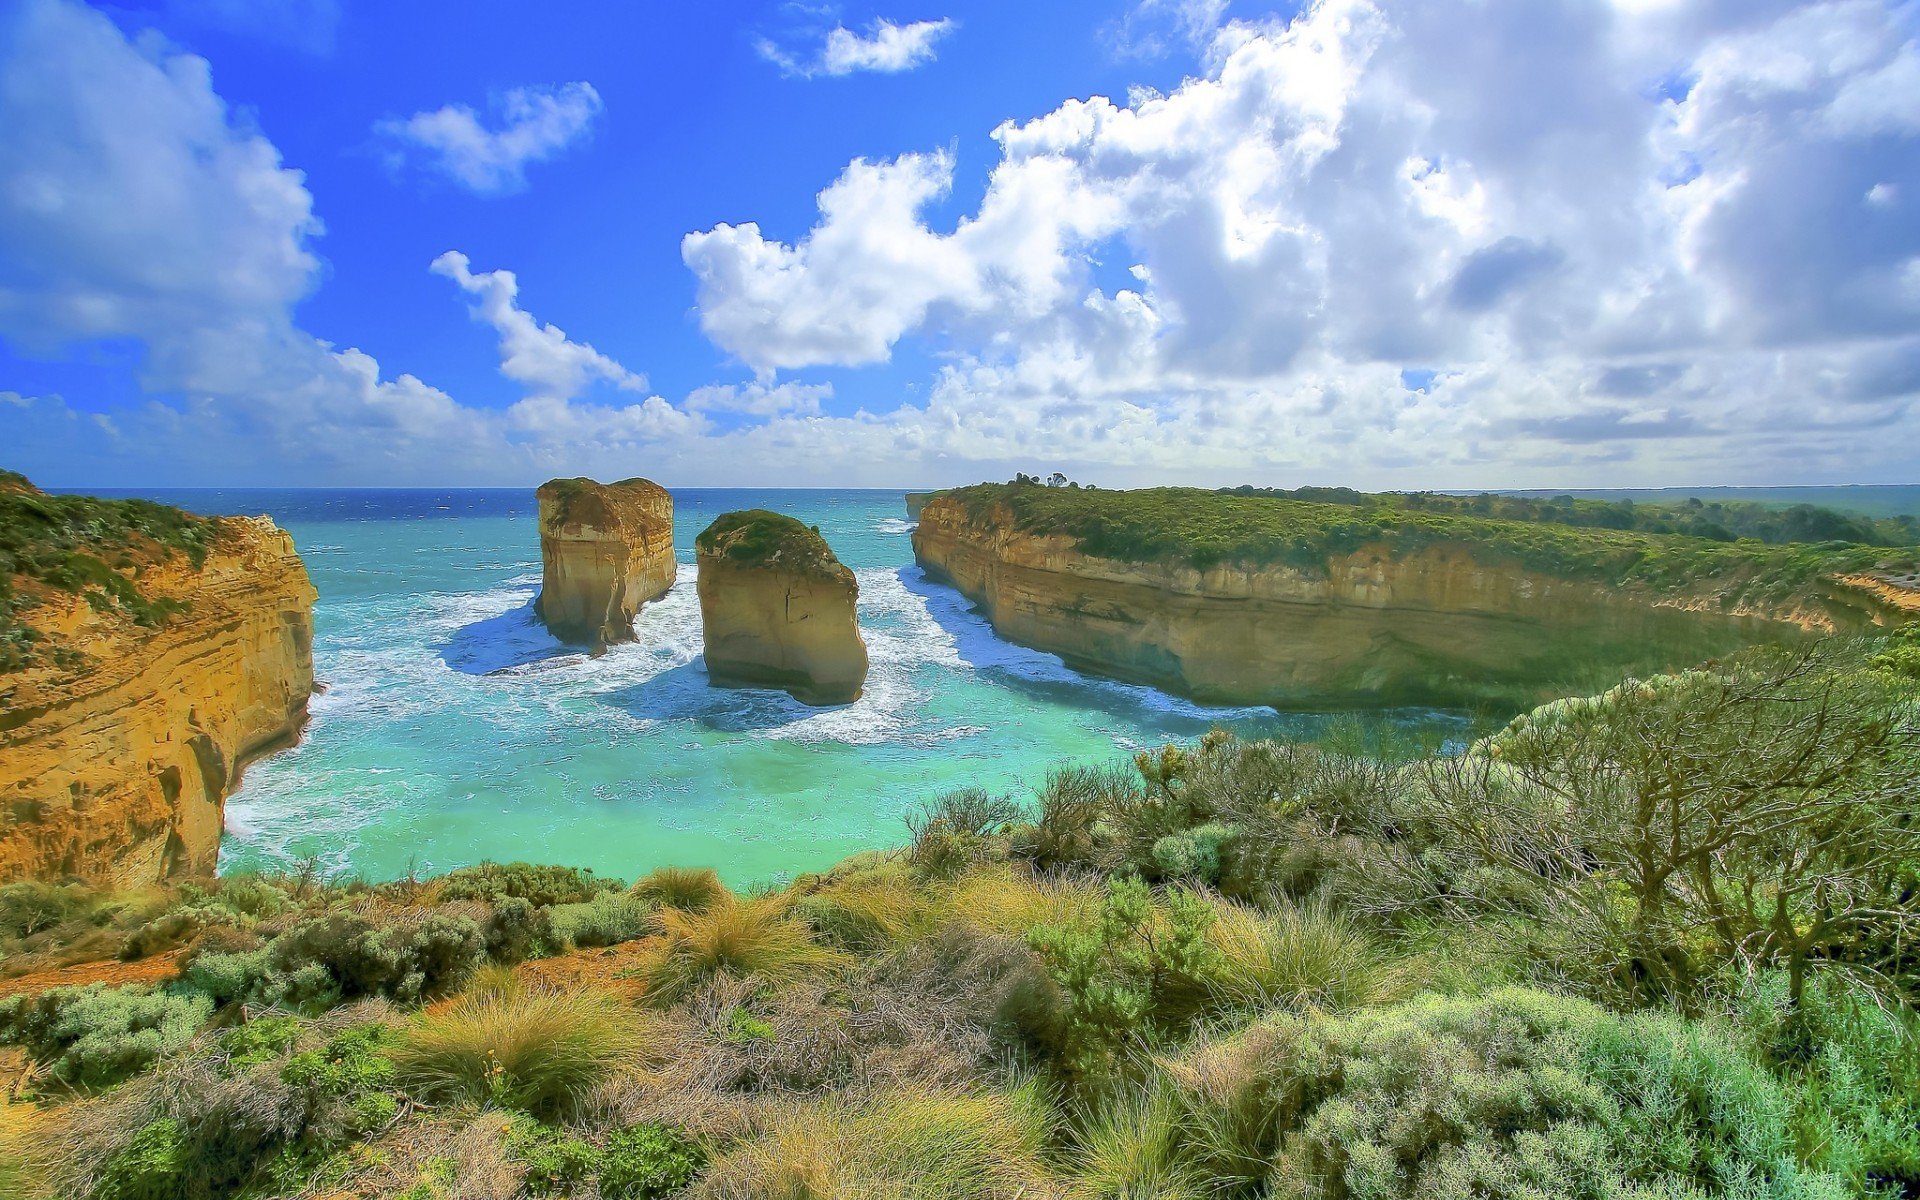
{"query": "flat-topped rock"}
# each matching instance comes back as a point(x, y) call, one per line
point(606, 550)
point(777, 609)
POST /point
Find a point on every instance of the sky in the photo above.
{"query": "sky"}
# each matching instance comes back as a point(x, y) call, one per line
point(1380, 243)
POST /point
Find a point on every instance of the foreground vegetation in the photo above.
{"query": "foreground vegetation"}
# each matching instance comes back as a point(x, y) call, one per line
point(1661, 942)
point(1580, 539)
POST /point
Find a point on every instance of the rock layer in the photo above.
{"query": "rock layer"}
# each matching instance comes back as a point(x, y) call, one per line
point(117, 770)
point(777, 610)
point(606, 550)
point(1434, 626)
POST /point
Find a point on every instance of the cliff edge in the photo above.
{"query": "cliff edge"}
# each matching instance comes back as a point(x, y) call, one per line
point(606, 549)
point(1238, 600)
point(777, 609)
point(146, 656)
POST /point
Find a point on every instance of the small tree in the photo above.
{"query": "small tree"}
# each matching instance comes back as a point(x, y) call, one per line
point(1765, 812)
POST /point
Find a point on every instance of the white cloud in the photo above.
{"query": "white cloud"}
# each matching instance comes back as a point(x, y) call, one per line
point(886, 48)
point(538, 357)
point(533, 125)
point(1513, 196)
point(759, 400)
point(1155, 28)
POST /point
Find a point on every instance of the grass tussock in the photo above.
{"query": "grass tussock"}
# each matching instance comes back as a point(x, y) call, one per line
point(1008, 900)
point(757, 936)
point(913, 1146)
point(694, 889)
point(535, 1049)
point(1298, 957)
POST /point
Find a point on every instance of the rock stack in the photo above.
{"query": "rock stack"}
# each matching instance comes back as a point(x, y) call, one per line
point(606, 549)
point(777, 609)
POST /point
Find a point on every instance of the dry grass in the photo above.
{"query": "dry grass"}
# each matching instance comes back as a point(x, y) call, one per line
point(526, 1047)
point(911, 1145)
point(869, 911)
point(1008, 900)
point(755, 937)
point(1132, 1148)
point(1298, 957)
point(694, 889)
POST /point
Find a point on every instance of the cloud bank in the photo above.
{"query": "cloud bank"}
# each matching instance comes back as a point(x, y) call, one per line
point(1566, 243)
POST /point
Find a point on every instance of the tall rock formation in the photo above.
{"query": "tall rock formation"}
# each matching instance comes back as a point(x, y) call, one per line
point(1362, 621)
point(606, 549)
point(777, 609)
point(137, 682)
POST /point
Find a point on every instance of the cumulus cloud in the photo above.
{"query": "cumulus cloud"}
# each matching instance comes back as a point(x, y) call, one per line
point(1548, 205)
point(530, 125)
point(760, 400)
point(887, 48)
point(539, 357)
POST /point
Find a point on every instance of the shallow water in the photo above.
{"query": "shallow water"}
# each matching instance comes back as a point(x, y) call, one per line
point(455, 730)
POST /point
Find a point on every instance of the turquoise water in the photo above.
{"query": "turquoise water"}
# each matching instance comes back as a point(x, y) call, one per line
point(455, 730)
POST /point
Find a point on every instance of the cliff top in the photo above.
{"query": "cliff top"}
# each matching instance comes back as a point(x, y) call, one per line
point(84, 546)
point(755, 537)
point(1203, 528)
point(570, 497)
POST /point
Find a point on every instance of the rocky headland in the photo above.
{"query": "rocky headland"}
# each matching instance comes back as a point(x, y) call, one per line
point(606, 550)
point(1239, 600)
point(777, 609)
point(146, 656)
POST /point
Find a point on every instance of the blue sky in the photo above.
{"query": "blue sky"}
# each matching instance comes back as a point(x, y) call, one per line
point(1446, 243)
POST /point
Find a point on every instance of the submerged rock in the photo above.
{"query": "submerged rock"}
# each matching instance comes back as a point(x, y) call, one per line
point(777, 609)
point(606, 550)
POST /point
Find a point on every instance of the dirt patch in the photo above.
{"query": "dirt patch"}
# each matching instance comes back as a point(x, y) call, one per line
point(157, 969)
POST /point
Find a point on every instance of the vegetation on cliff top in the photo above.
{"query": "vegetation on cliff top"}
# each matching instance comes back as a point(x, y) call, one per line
point(1657, 942)
point(1203, 529)
point(566, 493)
point(81, 545)
point(755, 537)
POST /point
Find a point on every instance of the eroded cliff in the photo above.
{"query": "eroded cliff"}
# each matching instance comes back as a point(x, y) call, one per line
point(606, 550)
point(139, 698)
point(1352, 619)
point(778, 610)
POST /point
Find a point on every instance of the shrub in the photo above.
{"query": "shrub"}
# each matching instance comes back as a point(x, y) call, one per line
point(536, 1050)
point(1297, 957)
point(32, 907)
point(644, 1162)
point(1194, 854)
point(694, 889)
point(910, 1145)
point(98, 1035)
point(755, 937)
point(405, 955)
point(606, 920)
point(953, 831)
point(1139, 965)
point(555, 1163)
point(540, 886)
point(1071, 802)
point(149, 1167)
point(1516, 1093)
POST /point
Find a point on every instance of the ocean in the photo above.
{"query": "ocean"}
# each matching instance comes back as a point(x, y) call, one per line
point(454, 729)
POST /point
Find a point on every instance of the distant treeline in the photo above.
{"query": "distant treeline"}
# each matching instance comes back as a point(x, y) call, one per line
point(1720, 521)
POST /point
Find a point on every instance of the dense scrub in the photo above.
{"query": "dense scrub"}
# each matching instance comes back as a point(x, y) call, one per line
point(83, 546)
point(1660, 942)
point(1203, 528)
point(755, 537)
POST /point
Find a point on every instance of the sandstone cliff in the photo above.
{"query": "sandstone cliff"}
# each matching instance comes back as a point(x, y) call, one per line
point(917, 501)
point(1442, 623)
point(605, 551)
point(777, 609)
point(124, 730)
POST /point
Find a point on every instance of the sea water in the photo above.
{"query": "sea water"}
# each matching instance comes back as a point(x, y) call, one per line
point(453, 729)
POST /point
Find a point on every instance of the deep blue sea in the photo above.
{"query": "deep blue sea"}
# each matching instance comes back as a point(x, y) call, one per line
point(453, 729)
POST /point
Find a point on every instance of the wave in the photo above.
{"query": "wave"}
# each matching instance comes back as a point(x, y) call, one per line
point(895, 525)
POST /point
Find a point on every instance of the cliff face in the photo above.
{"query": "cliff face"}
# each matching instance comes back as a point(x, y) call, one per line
point(778, 610)
point(117, 769)
point(917, 501)
point(1435, 626)
point(605, 550)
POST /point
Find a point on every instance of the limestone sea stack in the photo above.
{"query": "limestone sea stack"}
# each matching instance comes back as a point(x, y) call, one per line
point(146, 656)
point(606, 550)
point(777, 609)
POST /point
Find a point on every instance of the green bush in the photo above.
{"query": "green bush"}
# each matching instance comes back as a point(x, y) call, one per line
point(555, 1162)
point(606, 920)
point(541, 886)
point(1137, 966)
point(149, 1167)
point(98, 1035)
point(406, 955)
point(644, 1162)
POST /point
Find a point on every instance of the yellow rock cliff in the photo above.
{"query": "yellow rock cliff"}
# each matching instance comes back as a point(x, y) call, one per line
point(1436, 626)
point(778, 610)
point(605, 551)
point(117, 769)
